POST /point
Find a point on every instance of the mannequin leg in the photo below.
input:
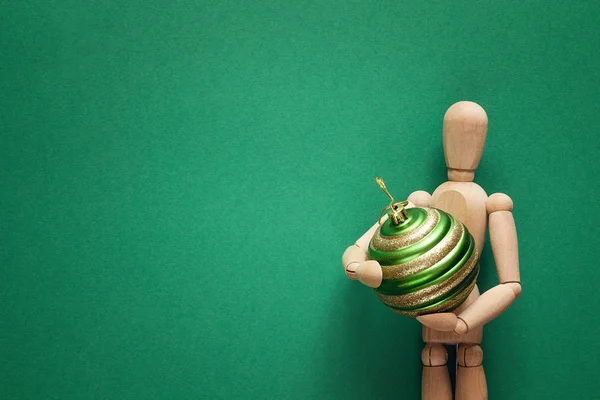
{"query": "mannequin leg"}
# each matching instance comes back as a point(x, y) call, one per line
point(470, 377)
point(435, 384)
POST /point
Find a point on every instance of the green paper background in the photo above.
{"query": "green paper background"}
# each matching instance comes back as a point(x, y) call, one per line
point(180, 178)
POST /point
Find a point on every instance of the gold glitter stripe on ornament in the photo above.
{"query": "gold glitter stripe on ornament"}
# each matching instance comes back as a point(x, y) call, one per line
point(390, 243)
point(453, 303)
point(430, 293)
point(432, 257)
point(442, 307)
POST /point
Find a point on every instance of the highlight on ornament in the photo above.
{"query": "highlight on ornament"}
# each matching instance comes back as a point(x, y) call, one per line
point(428, 259)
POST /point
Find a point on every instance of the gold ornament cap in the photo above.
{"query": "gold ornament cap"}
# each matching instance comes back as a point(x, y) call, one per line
point(397, 213)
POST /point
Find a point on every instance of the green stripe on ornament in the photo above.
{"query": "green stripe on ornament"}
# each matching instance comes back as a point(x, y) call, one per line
point(415, 218)
point(425, 308)
point(405, 254)
point(470, 248)
point(448, 294)
point(435, 274)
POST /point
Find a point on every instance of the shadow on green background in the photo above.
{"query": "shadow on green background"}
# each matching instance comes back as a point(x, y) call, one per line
point(181, 178)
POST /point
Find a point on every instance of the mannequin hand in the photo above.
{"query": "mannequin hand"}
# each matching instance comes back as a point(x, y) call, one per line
point(443, 322)
point(369, 273)
point(461, 327)
point(356, 266)
point(352, 257)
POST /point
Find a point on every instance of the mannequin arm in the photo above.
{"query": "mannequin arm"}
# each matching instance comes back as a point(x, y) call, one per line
point(503, 236)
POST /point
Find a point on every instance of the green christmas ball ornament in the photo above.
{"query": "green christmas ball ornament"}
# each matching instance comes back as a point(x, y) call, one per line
point(428, 259)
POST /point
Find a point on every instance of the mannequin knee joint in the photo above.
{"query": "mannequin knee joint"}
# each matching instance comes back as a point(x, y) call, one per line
point(469, 355)
point(434, 355)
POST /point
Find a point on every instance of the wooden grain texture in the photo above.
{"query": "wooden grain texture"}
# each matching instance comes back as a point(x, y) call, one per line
point(473, 336)
point(369, 273)
point(503, 237)
point(460, 175)
point(471, 383)
point(353, 256)
point(464, 134)
point(470, 376)
point(487, 307)
point(498, 202)
point(444, 322)
point(435, 384)
point(466, 202)
point(435, 381)
point(420, 198)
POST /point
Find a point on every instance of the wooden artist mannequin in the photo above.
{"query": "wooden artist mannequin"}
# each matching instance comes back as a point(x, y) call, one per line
point(464, 133)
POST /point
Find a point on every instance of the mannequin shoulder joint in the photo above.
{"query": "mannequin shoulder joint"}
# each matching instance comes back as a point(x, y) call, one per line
point(498, 202)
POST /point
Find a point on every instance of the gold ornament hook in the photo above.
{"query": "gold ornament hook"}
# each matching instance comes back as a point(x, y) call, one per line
point(397, 212)
point(381, 184)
